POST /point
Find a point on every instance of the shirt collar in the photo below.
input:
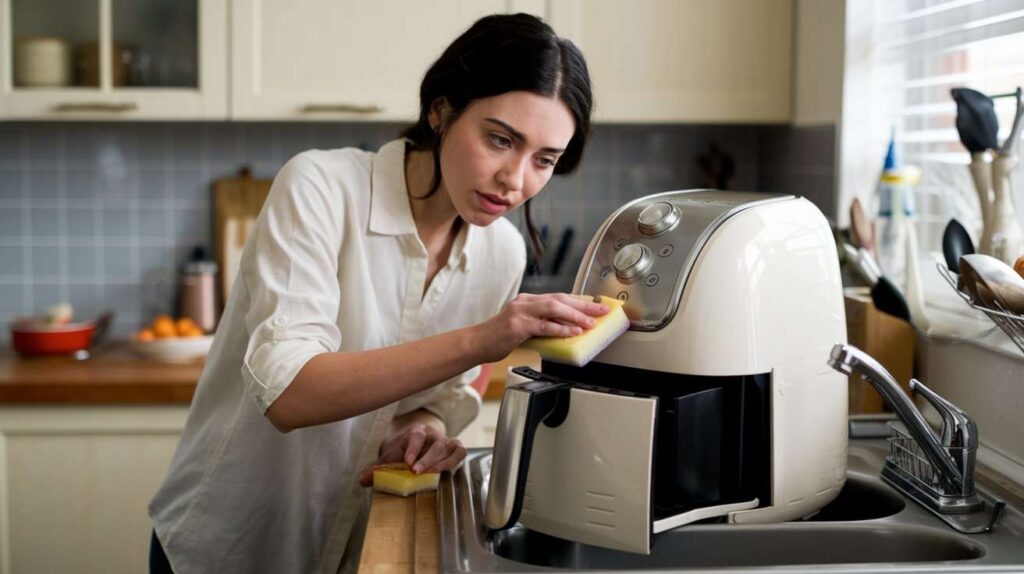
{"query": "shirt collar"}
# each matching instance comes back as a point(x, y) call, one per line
point(390, 212)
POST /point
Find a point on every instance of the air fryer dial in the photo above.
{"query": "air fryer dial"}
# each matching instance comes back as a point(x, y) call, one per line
point(651, 244)
point(632, 261)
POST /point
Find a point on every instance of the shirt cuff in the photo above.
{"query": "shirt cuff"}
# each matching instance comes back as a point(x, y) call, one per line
point(274, 365)
point(457, 407)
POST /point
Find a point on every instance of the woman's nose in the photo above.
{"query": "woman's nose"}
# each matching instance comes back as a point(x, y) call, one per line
point(512, 173)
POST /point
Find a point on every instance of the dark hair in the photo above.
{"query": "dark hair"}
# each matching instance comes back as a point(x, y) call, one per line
point(498, 54)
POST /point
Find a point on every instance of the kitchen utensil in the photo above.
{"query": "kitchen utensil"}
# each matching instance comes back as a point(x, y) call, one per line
point(32, 338)
point(179, 350)
point(888, 299)
point(237, 202)
point(563, 250)
point(680, 419)
point(956, 242)
point(42, 61)
point(538, 262)
point(976, 121)
point(993, 283)
point(914, 288)
point(1003, 232)
point(978, 126)
point(862, 232)
point(862, 263)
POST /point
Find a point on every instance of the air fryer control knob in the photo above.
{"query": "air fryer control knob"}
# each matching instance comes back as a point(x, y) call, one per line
point(631, 261)
point(658, 218)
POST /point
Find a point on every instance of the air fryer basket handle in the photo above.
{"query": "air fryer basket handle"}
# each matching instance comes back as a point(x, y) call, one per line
point(523, 408)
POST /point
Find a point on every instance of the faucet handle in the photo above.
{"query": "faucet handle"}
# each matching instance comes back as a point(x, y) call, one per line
point(958, 429)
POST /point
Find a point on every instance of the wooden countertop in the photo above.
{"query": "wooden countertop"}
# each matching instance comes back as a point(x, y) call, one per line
point(115, 375)
point(401, 535)
point(112, 375)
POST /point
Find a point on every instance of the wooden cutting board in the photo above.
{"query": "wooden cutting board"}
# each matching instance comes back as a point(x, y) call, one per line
point(236, 204)
point(401, 535)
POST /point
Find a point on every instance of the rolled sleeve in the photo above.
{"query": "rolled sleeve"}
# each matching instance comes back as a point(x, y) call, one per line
point(290, 273)
point(456, 402)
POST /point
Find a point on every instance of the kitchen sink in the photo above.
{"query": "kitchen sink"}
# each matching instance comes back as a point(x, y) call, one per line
point(868, 527)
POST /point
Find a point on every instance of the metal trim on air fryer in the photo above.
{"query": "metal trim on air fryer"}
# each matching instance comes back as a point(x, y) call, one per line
point(590, 280)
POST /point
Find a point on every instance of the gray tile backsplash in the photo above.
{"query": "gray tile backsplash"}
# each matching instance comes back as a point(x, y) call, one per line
point(101, 214)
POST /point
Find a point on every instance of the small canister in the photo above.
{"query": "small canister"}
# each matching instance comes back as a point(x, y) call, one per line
point(197, 295)
point(42, 61)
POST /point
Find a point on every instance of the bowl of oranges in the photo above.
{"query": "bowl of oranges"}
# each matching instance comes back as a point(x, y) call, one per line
point(170, 340)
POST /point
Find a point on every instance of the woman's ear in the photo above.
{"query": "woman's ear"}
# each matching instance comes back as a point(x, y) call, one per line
point(439, 112)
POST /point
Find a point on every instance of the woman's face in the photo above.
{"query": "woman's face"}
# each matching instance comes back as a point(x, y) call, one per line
point(501, 151)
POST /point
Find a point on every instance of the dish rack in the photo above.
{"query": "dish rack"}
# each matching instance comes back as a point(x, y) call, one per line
point(907, 456)
point(1011, 323)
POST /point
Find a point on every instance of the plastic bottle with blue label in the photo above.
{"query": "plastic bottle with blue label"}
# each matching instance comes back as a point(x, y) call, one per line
point(895, 214)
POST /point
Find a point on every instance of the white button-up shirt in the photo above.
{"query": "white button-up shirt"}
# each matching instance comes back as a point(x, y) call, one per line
point(334, 264)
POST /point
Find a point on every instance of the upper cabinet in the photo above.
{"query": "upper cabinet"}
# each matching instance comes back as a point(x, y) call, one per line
point(700, 61)
point(685, 61)
point(343, 59)
point(113, 59)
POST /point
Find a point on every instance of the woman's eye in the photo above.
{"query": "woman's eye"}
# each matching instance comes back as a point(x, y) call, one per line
point(501, 141)
point(547, 161)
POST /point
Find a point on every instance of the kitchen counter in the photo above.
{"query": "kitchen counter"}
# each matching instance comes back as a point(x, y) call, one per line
point(401, 535)
point(113, 375)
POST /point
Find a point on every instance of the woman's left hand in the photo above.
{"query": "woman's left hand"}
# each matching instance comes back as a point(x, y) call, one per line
point(423, 447)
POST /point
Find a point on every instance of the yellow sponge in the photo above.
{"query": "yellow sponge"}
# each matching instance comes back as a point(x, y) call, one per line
point(579, 350)
point(399, 480)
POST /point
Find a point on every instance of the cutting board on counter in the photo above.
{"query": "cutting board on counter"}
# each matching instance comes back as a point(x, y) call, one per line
point(236, 203)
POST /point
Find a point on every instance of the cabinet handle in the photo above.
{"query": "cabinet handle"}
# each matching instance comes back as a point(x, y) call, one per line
point(96, 107)
point(343, 108)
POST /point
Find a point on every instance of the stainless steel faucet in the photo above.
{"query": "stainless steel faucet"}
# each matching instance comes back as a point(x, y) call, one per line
point(946, 483)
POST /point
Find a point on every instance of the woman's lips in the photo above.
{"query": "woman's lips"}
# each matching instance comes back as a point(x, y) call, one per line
point(492, 204)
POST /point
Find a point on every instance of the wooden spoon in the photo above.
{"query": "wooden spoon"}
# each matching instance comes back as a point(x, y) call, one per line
point(860, 226)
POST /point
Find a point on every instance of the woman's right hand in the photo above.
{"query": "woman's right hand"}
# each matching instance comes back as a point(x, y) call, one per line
point(529, 315)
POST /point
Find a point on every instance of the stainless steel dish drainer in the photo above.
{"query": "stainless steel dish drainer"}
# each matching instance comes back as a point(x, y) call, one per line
point(1011, 323)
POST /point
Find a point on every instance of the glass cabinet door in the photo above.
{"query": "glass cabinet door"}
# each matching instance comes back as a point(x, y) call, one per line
point(155, 43)
point(48, 38)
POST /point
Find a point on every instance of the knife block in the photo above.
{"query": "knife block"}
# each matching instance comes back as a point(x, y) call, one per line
point(888, 339)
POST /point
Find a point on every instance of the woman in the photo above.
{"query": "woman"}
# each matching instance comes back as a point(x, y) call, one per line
point(371, 288)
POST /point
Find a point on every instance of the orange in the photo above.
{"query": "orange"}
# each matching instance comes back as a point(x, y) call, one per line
point(193, 331)
point(163, 327)
point(184, 325)
point(146, 335)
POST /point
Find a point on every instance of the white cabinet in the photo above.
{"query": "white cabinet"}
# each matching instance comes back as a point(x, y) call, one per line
point(113, 59)
point(695, 61)
point(342, 59)
point(75, 482)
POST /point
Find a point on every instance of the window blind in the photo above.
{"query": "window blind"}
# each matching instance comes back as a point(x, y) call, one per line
point(927, 47)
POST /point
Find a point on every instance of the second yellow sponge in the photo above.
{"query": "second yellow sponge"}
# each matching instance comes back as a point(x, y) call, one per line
point(397, 479)
point(579, 350)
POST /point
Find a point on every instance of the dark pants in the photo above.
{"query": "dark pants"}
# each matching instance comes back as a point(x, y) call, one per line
point(158, 563)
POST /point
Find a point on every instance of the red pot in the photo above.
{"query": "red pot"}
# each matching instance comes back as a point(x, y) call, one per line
point(30, 338)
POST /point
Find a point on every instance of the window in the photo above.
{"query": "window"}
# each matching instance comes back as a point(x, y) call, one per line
point(902, 59)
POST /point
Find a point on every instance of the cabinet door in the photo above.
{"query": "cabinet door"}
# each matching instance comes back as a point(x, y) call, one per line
point(684, 60)
point(113, 59)
point(75, 484)
point(342, 59)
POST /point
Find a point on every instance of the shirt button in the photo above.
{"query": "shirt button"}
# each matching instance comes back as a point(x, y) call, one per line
point(280, 320)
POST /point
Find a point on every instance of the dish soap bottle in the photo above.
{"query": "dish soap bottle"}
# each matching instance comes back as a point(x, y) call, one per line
point(895, 205)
